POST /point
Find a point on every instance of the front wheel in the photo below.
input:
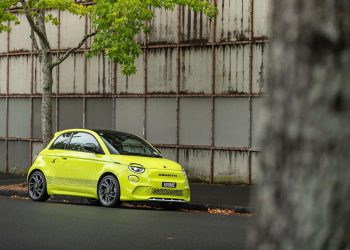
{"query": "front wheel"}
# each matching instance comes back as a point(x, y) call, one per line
point(109, 191)
point(37, 187)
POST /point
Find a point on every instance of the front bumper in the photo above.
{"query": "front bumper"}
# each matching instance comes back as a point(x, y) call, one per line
point(149, 187)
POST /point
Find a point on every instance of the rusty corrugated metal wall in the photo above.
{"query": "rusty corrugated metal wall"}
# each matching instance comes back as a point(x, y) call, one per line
point(196, 94)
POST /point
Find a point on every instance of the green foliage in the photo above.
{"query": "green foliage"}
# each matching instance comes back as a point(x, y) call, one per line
point(118, 22)
point(5, 15)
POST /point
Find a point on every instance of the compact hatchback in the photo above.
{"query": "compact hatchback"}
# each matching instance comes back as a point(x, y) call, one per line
point(106, 167)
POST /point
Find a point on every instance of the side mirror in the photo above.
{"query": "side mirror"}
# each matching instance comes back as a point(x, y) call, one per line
point(90, 147)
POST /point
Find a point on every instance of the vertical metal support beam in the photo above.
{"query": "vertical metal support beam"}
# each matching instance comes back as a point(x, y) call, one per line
point(85, 76)
point(58, 70)
point(31, 105)
point(7, 135)
point(145, 50)
point(7, 104)
point(114, 91)
point(213, 73)
point(251, 36)
point(178, 77)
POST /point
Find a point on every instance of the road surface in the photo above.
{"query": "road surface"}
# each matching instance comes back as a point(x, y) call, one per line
point(51, 225)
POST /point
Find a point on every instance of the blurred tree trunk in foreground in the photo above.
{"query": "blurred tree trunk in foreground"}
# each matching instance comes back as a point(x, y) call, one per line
point(303, 201)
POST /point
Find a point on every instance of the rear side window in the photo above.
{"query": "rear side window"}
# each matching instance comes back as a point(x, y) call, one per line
point(61, 142)
point(79, 139)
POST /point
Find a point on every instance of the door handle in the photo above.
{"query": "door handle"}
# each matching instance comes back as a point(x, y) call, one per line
point(64, 158)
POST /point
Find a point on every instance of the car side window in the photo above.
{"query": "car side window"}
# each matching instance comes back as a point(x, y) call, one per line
point(79, 139)
point(61, 142)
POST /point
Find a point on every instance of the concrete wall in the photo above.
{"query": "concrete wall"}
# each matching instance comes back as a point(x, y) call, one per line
point(196, 94)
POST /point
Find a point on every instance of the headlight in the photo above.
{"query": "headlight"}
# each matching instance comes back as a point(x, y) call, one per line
point(138, 169)
point(184, 172)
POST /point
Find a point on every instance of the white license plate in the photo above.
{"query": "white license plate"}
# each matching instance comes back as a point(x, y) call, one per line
point(169, 184)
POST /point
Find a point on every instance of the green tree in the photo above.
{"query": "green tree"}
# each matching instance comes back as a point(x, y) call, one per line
point(115, 24)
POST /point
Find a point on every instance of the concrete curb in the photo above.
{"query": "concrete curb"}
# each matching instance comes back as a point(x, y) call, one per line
point(191, 206)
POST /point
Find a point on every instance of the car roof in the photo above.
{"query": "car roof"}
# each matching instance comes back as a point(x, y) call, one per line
point(90, 130)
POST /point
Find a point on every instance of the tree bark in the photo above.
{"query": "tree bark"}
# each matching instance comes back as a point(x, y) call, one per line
point(46, 69)
point(303, 196)
point(46, 104)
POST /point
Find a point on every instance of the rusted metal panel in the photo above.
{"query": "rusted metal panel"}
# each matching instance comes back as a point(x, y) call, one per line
point(195, 125)
point(231, 122)
point(232, 21)
point(37, 77)
point(161, 70)
point(3, 116)
point(161, 120)
point(71, 74)
point(126, 122)
point(99, 113)
point(109, 75)
point(232, 69)
point(2, 157)
point(71, 30)
point(90, 29)
point(3, 75)
point(36, 118)
point(19, 118)
point(255, 167)
point(20, 35)
point(96, 75)
point(257, 121)
point(36, 148)
point(163, 26)
point(196, 70)
point(230, 167)
point(168, 153)
point(3, 42)
point(36, 132)
point(70, 113)
point(100, 75)
point(260, 54)
point(261, 18)
point(18, 162)
point(20, 74)
point(196, 163)
point(195, 26)
point(132, 84)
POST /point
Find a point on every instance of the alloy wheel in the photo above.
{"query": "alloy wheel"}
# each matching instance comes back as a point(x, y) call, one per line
point(36, 186)
point(109, 191)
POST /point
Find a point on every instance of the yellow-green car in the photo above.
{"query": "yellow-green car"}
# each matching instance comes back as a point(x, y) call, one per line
point(106, 167)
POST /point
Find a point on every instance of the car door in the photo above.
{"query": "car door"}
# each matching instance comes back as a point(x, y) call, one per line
point(56, 157)
point(77, 169)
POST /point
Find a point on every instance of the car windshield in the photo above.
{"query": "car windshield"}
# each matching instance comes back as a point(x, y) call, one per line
point(127, 144)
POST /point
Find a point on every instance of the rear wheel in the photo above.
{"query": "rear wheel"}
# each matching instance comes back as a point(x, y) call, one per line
point(37, 187)
point(109, 191)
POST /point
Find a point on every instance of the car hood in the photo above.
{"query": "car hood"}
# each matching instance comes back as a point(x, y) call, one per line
point(147, 162)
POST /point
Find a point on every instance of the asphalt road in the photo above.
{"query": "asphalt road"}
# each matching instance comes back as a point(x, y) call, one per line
point(25, 224)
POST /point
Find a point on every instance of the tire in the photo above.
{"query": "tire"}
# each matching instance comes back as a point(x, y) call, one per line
point(93, 201)
point(37, 189)
point(109, 191)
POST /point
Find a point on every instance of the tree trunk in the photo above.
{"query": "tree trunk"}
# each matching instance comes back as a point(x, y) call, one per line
point(46, 69)
point(303, 198)
point(46, 105)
